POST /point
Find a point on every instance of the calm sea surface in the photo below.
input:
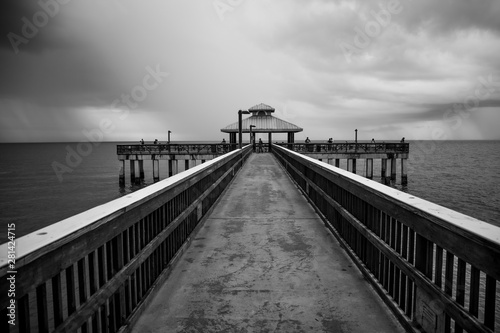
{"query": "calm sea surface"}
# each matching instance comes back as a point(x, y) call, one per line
point(461, 175)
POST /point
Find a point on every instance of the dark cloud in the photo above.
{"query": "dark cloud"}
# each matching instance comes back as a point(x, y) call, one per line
point(26, 26)
point(450, 16)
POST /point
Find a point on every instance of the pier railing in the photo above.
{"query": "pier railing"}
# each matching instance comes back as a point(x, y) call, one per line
point(348, 147)
point(438, 270)
point(176, 148)
point(93, 272)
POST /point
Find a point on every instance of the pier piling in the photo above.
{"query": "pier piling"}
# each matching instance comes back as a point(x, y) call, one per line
point(383, 168)
point(122, 173)
point(132, 171)
point(141, 169)
point(170, 164)
point(393, 168)
point(369, 168)
point(156, 170)
point(404, 171)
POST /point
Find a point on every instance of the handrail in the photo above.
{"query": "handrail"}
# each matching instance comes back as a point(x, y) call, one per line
point(95, 270)
point(423, 259)
point(176, 148)
point(348, 147)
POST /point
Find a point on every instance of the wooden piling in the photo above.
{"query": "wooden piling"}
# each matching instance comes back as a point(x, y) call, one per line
point(132, 171)
point(156, 170)
point(351, 165)
point(141, 169)
point(383, 168)
point(369, 168)
point(122, 173)
point(404, 171)
point(393, 168)
point(170, 168)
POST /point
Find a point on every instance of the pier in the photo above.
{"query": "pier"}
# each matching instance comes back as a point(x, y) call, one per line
point(257, 251)
point(261, 120)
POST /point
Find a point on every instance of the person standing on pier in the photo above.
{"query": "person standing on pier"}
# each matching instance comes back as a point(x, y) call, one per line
point(307, 140)
point(142, 141)
point(260, 146)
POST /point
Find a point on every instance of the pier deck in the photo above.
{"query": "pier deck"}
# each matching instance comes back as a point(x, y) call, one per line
point(263, 261)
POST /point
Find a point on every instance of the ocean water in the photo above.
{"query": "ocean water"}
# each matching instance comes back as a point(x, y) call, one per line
point(461, 175)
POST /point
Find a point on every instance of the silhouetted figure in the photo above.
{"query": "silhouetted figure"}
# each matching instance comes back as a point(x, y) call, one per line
point(373, 140)
point(142, 141)
point(156, 141)
point(307, 140)
point(260, 146)
point(403, 140)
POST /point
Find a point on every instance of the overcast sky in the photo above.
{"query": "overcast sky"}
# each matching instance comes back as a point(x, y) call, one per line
point(135, 69)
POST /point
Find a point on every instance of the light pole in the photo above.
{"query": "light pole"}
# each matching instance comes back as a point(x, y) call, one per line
point(252, 141)
point(240, 112)
point(356, 136)
point(169, 137)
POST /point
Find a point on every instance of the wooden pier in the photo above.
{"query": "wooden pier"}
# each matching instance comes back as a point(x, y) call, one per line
point(191, 154)
point(332, 153)
point(436, 270)
point(174, 154)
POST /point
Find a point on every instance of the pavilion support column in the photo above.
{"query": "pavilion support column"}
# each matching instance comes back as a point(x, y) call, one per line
point(156, 170)
point(349, 164)
point(337, 162)
point(141, 169)
point(404, 171)
point(329, 161)
point(186, 164)
point(232, 139)
point(369, 168)
point(270, 138)
point(132, 171)
point(290, 140)
point(122, 173)
point(393, 168)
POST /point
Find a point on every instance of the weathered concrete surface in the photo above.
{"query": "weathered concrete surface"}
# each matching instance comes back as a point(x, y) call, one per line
point(264, 262)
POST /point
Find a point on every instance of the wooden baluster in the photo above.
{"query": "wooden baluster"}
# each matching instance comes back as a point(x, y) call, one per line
point(489, 302)
point(41, 308)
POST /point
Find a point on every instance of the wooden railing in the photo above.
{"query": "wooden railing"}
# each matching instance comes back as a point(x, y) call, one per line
point(437, 269)
point(348, 147)
point(175, 148)
point(93, 272)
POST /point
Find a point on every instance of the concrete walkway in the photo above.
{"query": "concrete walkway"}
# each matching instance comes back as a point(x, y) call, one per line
point(264, 262)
